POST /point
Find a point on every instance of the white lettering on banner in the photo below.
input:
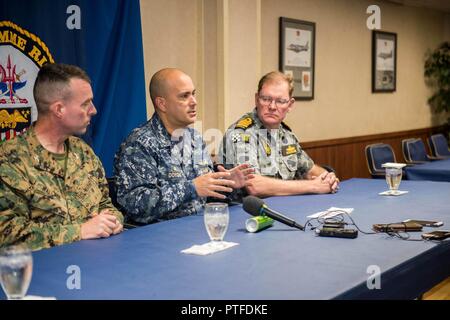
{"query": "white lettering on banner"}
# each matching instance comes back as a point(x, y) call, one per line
point(74, 280)
point(74, 20)
point(374, 21)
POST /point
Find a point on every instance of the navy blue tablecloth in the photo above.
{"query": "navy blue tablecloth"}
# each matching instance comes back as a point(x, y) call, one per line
point(438, 170)
point(277, 263)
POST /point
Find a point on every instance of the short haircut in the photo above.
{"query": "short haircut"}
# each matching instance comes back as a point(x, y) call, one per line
point(276, 76)
point(52, 84)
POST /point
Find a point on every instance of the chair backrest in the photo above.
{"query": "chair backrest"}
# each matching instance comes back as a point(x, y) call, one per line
point(376, 155)
point(439, 146)
point(405, 149)
point(414, 150)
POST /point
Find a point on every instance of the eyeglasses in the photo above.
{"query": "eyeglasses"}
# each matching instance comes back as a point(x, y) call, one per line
point(267, 101)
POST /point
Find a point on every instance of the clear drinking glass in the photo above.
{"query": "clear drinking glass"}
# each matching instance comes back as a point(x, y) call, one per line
point(393, 179)
point(216, 219)
point(16, 268)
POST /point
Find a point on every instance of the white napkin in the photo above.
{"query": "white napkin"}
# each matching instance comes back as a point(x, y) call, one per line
point(209, 248)
point(392, 193)
point(38, 298)
point(331, 212)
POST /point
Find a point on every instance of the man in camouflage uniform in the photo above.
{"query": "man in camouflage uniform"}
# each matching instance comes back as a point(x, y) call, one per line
point(52, 186)
point(261, 138)
point(163, 169)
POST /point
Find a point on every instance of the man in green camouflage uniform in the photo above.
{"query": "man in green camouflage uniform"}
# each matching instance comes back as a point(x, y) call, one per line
point(262, 139)
point(52, 186)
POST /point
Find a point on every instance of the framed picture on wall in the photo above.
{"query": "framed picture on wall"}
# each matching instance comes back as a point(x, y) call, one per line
point(384, 61)
point(297, 49)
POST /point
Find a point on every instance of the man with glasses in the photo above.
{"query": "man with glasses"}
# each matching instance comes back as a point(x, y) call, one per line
point(52, 186)
point(261, 138)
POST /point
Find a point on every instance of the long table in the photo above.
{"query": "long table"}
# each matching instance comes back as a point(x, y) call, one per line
point(277, 263)
point(438, 170)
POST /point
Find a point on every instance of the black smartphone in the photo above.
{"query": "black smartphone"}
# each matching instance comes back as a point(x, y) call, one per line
point(436, 235)
point(426, 223)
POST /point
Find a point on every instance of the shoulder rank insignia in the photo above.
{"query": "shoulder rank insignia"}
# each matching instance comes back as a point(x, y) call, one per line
point(267, 148)
point(289, 149)
point(286, 126)
point(244, 123)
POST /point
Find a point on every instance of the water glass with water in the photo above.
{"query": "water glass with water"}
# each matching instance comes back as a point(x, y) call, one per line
point(393, 179)
point(216, 218)
point(16, 267)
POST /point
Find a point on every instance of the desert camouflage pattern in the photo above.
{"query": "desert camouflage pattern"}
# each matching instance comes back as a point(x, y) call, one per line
point(40, 204)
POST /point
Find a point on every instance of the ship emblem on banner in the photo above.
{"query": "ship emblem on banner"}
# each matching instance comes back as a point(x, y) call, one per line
point(21, 56)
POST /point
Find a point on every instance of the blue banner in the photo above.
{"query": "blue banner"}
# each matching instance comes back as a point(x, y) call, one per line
point(103, 37)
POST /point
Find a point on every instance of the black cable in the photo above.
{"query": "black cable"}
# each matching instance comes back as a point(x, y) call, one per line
point(401, 234)
point(340, 218)
point(308, 222)
point(353, 223)
point(351, 219)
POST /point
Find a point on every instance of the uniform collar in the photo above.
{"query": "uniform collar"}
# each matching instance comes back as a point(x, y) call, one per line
point(163, 137)
point(254, 116)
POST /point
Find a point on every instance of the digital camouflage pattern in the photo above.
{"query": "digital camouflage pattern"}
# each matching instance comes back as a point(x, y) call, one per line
point(39, 205)
point(274, 153)
point(154, 172)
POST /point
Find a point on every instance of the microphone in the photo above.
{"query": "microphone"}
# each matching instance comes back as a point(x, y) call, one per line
point(256, 207)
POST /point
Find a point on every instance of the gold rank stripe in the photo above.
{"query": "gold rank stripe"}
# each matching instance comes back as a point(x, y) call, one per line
point(245, 123)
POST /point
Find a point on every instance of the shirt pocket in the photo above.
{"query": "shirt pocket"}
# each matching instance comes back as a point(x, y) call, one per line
point(85, 192)
point(268, 166)
point(291, 162)
point(47, 203)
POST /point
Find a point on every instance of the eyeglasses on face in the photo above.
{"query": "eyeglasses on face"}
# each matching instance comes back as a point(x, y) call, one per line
point(267, 101)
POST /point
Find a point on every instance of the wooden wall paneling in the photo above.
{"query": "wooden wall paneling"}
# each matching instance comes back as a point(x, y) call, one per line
point(347, 155)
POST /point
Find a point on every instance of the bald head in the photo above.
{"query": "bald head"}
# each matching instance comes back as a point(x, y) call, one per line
point(162, 81)
point(173, 96)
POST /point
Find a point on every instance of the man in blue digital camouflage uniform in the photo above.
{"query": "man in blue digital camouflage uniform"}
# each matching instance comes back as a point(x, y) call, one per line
point(163, 169)
point(261, 138)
